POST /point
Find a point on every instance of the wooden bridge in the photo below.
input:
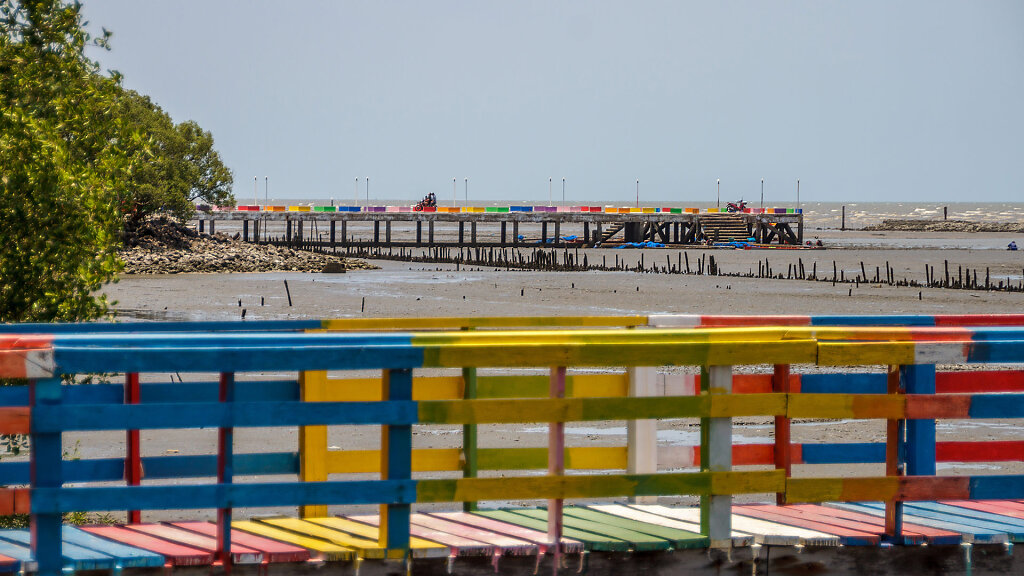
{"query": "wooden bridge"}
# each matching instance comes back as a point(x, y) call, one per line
point(388, 226)
point(433, 372)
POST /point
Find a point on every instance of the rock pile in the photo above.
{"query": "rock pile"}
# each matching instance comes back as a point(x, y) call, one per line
point(161, 246)
point(945, 226)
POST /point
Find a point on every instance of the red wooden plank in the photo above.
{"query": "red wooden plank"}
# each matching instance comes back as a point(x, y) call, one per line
point(825, 516)
point(806, 523)
point(506, 545)
point(979, 319)
point(1012, 509)
point(457, 544)
point(982, 381)
point(987, 451)
point(15, 419)
point(175, 554)
point(239, 554)
point(535, 536)
point(931, 406)
point(272, 550)
point(926, 531)
point(14, 501)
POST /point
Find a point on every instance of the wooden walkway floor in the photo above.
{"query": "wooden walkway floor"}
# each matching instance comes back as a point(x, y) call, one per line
point(517, 533)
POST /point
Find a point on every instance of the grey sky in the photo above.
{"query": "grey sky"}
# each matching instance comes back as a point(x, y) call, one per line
point(913, 100)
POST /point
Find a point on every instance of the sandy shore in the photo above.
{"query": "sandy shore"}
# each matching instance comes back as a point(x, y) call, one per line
point(418, 290)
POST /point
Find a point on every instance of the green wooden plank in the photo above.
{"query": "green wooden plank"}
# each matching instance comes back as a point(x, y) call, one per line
point(679, 538)
point(591, 540)
point(639, 541)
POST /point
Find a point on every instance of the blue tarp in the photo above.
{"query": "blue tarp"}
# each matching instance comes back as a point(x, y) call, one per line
point(640, 245)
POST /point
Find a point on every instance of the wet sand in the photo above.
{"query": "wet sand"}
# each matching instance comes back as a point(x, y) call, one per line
point(421, 290)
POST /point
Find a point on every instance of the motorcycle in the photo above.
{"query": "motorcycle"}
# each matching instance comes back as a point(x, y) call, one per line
point(429, 201)
point(736, 206)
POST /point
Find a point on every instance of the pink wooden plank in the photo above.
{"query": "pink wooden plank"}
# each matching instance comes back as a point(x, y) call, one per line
point(506, 544)
point(459, 545)
point(535, 536)
point(272, 550)
point(239, 554)
point(1012, 509)
point(877, 521)
point(790, 520)
point(176, 554)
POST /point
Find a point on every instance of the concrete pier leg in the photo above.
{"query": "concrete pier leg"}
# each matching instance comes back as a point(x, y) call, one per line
point(212, 224)
point(503, 229)
point(376, 232)
point(430, 233)
point(387, 232)
point(472, 233)
point(543, 233)
point(462, 232)
point(558, 232)
point(586, 232)
point(333, 222)
point(300, 236)
point(201, 225)
point(344, 232)
point(599, 234)
point(515, 233)
point(245, 230)
point(288, 231)
point(419, 232)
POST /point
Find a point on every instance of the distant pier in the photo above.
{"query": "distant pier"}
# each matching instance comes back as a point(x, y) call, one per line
point(329, 227)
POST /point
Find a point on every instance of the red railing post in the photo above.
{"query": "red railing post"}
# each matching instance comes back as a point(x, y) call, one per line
point(133, 446)
point(225, 473)
point(782, 452)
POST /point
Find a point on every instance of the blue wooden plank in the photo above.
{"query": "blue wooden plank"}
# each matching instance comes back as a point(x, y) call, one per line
point(843, 383)
point(986, 333)
point(1008, 487)
point(185, 359)
point(207, 339)
point(157, 467)
point(218, 415)
point(980, 530)
point(11, 549)
point(896, 320)
point(841, 453)
point(74, 556)
point(58, 500)
point(996, 351)
point(13, 395)
point(997, 406)
point(976, 533)
point(246, 391)
point(126, 556)
point(1011, 522)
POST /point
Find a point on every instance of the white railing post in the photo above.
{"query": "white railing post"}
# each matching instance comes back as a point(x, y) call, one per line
point(642, 435)
point(716, 456)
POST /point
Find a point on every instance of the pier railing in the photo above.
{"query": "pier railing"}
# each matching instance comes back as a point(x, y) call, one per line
point(47, 409)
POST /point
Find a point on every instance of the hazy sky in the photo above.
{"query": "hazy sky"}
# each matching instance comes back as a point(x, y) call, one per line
point(907, 100)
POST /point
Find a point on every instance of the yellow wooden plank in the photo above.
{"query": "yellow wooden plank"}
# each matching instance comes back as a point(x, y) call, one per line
point(371, 532)
point(369, 389)
point(312, 440)
point(349, 324)
point(560, 409)
point(865, 353)
point(736, 405)
point(615, 336)
point(860, 406)
point(596, 458)
point(322, 548)
point(597, 385)
point(364, 547)
point(842, 489)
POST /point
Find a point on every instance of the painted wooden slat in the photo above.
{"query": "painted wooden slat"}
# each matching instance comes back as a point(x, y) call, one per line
point(15, 556)
point(240, 554)
point(126, 556)
point(14, 500)
point(363, 547)
point(590, 540)
point(849, 537)
point(459, 545)
point(174, 554)
point(825, 517)
point(1002, 507)
point(504, 545)
point(970, 531)
point(8, 564)
point(319, 547)
point(1013, 525)
point(537, 537)
point(75, 557)
point(768, 533)
point(931, 535)
point(638, 541)
point(1007, 486)
point(272, 550)
point(15, 420)
point(420, 546)
point(739, 539)
point(679, 539)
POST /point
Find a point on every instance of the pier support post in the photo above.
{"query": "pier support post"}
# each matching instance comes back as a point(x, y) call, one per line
point(201, 225)
point(430, 233)
point(586, 233)
point(245, 230)
point(288, 231)
point(472, 233)
point(256, 231)
point(419, 232)
point(376, 232)
point(515, 232)
point(462, 232)
point(503, 230)
point(344, 232)
point(543, 233)
point(333, 222)
point(716, 456)
point(396, 462)
point(299, 236)
point(212, 226)
point(598, 235)
point(387, 232)
point(558, 232)
point(642, 435)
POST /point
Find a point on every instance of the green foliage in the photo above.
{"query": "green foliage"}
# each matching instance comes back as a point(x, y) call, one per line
point(177, 165)
point(62, 162)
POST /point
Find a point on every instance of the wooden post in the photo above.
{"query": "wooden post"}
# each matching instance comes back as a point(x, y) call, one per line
point(515, 232)
point(313, 441)
point(599, 234)
point(716, 456)
point(133, 450)
point(387, 232)
point(201, 224)
point(299, 233)
point(45, 471)
point(842, 225)
point(504, 241)
point(419, 232)
point(225, 472)
point(469, 434)
point(893, 458)
point(288, 231)
point(344, 232)
point(256, 231)
point(472, 233)
point(642, 435)
point(430, 233)
point(543, 233)
point(462, 232)
point(586, 233)
point(920, 379)
point(783, 460)
point(556, 464)
point(558, 231)
point(396, 462)
point(376, 232)
point(245, 230)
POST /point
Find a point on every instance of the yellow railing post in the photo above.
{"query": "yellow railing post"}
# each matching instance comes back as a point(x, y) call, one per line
point(313, 441)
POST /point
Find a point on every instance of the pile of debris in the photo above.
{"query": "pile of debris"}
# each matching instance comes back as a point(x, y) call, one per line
point(162, 246)
point(945, 226)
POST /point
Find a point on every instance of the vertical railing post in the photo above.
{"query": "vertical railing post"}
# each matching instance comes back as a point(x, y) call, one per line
point(716, 456)
point(894, 457)
point(225, 471)
point(642, 435)
point(45, 469)
point(313, 441)
point(469, 435)
point(920, 379)
point(133, 447)
point(556, 466)
point(396, 462)
point(783, 454)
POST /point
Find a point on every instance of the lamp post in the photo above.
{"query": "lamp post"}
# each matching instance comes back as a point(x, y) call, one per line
point(719, 189)
point(637, 192)
point(355, 193)
point(762, 193)
point(798, 193)
point(467, 191)
point(367, 190)
point(549, 191)
point(266, 189)
point(563, 189)
point(254, 200)
point(454, 199)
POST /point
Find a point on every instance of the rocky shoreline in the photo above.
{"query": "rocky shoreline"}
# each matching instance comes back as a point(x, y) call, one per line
point(166, 247)
point(891, 225)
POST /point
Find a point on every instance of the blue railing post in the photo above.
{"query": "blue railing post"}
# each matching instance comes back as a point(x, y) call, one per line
point(46, 473)
point(396, 462)
point(225, 473)
point(920, 444)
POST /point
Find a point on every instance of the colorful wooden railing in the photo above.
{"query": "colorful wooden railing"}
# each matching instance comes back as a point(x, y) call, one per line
point(910, 405)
